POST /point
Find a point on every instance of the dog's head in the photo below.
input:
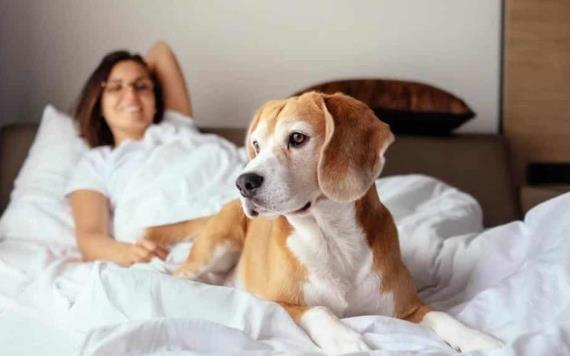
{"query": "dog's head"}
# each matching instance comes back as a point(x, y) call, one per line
point(308, 147)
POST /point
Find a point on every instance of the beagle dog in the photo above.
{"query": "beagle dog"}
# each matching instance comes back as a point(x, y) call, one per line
point(310, 232)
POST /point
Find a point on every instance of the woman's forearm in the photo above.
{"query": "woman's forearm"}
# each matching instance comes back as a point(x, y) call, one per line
point(100, 247)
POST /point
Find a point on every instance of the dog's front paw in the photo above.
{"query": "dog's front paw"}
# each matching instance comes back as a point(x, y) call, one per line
point(185, 274)
point(344, 341)
point(459, 336)
point(477, 340)
point(205, 277)
point(331, 334)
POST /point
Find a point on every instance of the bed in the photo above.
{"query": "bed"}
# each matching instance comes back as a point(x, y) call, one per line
point(452, 199)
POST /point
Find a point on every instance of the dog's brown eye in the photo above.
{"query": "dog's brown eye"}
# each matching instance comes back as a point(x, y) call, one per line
point(255, 146)
point(297, 139)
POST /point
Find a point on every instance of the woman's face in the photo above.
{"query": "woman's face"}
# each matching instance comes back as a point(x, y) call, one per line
point(128, 102)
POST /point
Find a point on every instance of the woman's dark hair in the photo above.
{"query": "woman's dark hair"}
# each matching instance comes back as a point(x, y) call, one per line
point(92, 126)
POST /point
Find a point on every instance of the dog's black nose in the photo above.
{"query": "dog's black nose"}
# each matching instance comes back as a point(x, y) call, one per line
point(248, 183)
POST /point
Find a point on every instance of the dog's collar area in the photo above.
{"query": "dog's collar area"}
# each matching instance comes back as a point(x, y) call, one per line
point(253, 212)
point(303, 209)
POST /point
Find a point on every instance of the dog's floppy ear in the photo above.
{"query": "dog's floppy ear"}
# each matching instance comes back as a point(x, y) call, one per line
point(270, 109)
point(352, 155)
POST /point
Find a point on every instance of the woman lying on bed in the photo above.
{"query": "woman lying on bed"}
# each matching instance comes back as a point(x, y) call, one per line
point(123, 97)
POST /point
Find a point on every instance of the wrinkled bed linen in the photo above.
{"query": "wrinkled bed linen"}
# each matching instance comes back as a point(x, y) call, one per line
point(512, 281)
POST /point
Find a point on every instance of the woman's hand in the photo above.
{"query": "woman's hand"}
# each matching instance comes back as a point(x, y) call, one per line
point(141, 251)
point(90, 210)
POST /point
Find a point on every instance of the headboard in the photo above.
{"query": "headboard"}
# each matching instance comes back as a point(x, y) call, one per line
point(476, 164)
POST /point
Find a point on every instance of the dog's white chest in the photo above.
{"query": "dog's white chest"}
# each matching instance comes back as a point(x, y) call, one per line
point(339, 262)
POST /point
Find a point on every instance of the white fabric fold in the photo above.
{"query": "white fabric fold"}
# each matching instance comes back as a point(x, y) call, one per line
point(512, 281)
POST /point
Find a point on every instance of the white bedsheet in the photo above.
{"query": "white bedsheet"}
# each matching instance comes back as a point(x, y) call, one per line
point(512, 281)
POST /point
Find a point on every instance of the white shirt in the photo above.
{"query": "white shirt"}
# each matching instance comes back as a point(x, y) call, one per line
point(173, 173)
point(107, 170)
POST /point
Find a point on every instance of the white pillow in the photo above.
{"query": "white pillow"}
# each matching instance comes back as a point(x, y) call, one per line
point(37, 208)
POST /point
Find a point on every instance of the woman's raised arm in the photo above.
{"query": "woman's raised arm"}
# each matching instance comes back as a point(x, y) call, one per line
point(164, 64)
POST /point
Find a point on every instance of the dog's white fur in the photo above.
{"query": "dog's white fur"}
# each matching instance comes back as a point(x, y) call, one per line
point(330, 333)
point(339, 262)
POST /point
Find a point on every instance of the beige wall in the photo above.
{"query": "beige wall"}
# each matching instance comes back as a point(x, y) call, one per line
point(237, 54)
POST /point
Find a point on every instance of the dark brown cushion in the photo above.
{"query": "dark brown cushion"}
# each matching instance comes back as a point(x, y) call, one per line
point(408, 107)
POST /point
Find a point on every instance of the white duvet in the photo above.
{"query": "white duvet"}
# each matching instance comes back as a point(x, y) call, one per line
point(512, 281)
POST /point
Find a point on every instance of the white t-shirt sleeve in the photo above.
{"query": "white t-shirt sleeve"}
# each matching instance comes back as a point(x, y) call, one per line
point(90, 173)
